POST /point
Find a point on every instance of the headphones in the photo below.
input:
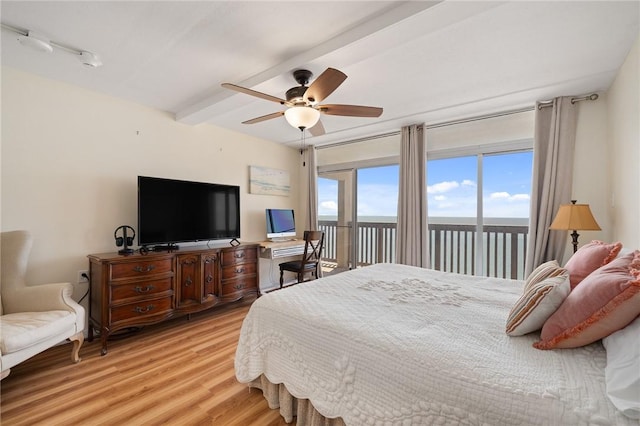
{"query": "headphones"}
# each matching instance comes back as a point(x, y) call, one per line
point(124, 240)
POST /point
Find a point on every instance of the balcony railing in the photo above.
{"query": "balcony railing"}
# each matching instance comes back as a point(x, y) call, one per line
point(453, 247)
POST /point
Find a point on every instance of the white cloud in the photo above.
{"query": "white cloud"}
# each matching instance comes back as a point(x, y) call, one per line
point(442, 187)
point(468, 182)
point(509, 197)
point(499, 195)
point(439, 198)
point(329, 206)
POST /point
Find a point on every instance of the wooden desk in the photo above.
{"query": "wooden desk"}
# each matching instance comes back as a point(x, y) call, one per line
point(278, 249)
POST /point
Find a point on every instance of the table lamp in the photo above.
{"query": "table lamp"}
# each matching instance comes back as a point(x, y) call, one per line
point(574, 217)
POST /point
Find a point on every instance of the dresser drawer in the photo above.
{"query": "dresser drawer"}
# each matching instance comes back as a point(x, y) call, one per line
point(239, 285)
point(141, 310)
point(141, 268)
point(237, 270)
point(234, 257)
point(143, 288)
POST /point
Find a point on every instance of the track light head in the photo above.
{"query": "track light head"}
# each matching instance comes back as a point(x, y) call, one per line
point(90, 59)
point(35, 41)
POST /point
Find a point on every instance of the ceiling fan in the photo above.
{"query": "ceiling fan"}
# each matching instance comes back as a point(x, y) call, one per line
point(303, 101)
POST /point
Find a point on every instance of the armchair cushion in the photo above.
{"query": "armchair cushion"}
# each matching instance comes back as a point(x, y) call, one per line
point(33, 318)
point(25, 329)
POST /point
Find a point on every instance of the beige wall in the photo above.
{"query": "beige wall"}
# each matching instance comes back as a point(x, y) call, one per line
point(623, 146)
point(71, 157)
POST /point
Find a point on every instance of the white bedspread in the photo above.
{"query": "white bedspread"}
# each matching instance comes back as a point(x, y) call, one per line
point(391, 344)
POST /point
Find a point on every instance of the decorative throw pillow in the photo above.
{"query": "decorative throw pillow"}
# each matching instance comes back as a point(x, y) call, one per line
point(544, 291)
point(622, 373)
point(604, 302)
point(590, 257)
point(542, 272)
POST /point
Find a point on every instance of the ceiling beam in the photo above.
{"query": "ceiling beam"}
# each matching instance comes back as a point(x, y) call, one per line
point(201, 111)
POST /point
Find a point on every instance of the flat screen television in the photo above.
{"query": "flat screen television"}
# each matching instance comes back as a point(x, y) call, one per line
point(172, 211)
point(281, 224)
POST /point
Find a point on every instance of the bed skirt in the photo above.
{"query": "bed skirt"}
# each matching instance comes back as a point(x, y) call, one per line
point(278, 396)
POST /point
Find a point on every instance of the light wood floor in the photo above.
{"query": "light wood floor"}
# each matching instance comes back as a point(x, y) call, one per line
point(176, 373)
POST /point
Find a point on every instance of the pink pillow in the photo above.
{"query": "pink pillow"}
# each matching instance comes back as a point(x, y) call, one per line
point(590, 257)
point(604, 302)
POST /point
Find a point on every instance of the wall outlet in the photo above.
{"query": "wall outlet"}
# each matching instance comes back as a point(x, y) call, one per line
point(82, 279)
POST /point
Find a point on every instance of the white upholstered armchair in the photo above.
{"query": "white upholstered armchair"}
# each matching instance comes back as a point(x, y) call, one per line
point(32, 318)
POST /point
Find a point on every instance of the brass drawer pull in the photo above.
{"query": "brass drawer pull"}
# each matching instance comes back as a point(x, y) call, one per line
point(239, 255)
point(239, 270)
point(146, 289)
point(238, 286)
point(140, 310)
point(209, 279)
point(139, 268)
point(188, 282)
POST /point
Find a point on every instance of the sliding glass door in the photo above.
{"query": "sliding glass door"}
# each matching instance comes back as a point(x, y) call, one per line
point(357, 209)
point(452, 207)
point(377, 201)
point(506, 193)
point(336, 213)
point(478, 208)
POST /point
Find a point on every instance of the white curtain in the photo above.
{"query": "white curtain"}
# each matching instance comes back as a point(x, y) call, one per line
point(412, 244)
point(553, 149)
point(312, 190)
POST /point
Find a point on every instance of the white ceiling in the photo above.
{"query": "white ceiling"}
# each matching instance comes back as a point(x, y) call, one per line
point(421, 61)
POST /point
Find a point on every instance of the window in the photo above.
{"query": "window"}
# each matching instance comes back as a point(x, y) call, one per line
point(377, 201)
point(478, 208)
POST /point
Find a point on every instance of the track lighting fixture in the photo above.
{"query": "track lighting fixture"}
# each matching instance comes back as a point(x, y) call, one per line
point(90, 59)
point(41, 43)
point(35, 41)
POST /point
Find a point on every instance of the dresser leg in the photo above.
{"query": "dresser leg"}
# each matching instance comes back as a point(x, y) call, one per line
point(103, 339)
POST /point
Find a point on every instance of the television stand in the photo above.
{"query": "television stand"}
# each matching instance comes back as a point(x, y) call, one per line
point(144, 289)
point(166, 247)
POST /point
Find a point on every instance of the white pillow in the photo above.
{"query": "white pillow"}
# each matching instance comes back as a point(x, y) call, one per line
point(544, 291)
point(622, 373)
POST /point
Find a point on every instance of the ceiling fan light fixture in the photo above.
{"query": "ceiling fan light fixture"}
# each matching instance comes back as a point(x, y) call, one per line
point(302, 117)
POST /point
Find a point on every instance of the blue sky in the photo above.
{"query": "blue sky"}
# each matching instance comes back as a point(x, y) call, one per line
point(451, 186)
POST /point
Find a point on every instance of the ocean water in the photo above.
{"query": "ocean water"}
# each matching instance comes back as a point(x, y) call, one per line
point(513, 221)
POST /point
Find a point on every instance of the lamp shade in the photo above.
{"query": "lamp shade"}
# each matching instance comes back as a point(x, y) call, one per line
point(575, 217)
point(302, 117)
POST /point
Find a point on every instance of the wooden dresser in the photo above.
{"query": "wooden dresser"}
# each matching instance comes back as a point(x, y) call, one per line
point(142, 289)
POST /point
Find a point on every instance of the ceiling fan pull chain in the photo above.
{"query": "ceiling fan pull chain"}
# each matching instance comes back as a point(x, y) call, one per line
point(303, 142)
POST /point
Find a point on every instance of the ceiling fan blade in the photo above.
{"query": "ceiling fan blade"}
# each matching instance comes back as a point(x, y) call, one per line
point(264, 117)
point(317, 130)
point(253, 93)
point(324, 85)
point(351, 110)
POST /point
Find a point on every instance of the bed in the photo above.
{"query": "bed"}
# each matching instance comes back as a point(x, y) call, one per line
point(398, 345)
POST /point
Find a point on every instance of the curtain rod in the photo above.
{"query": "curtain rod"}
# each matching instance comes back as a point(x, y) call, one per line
point(542, 104)
point(591, 97)
point(431, 126)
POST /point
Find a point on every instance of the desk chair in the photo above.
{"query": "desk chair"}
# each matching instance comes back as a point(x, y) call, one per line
point(310, 262)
